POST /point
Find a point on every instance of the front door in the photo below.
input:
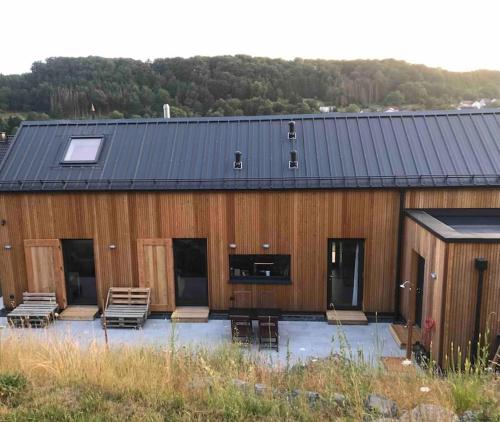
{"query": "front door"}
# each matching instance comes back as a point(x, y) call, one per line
point(190, 270)
point(79, 271)
point(419, 293)
point(345, 273)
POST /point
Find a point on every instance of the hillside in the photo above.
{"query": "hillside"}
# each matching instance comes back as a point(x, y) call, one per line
point(62, 87)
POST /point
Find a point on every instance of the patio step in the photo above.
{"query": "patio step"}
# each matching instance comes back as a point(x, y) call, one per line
point(400, 334)
point(190, 314)
point(346, 317)
point(79, 313)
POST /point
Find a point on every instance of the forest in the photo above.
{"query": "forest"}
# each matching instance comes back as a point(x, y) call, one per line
point(63, 87)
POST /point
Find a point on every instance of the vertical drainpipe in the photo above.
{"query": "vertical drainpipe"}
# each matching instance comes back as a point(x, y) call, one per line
point(481, 265)
point(399, 252)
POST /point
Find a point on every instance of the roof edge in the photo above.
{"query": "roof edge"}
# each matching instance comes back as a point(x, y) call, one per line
point(319, 116)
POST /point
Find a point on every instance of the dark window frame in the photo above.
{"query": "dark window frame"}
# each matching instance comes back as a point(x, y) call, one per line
point(256, 279)
point(63, 161)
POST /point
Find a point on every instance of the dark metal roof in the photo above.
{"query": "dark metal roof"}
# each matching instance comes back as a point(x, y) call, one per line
point(4, 146)
point(336, 150)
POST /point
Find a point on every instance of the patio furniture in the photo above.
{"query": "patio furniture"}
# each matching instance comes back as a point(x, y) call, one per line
point(37, 311)
point(268, 332)
point(241, 328)
point(126, 307)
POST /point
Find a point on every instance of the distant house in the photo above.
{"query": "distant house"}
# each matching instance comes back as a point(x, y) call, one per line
point(477, 105)
point(301, 213)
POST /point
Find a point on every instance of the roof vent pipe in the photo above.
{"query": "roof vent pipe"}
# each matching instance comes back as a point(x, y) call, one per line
point(292, 135)
point(238, 164)
point(294, 162)
point(166, 111)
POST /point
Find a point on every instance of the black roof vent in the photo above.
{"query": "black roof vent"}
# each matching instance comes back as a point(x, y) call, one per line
point(294, 161)
point(238, 164)
point(292, 135)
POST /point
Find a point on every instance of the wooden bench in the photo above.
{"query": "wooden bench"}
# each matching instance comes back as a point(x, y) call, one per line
point(126, 307)
point(37, 311)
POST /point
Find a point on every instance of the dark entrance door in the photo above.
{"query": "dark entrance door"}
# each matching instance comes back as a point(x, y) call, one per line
point(79, 271)
point(345, 273)
point(190, 266)
point(419, 299)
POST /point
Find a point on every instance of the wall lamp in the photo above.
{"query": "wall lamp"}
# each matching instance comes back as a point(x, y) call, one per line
point(232, 245)
point(403, 286)
point(8, 247)
point(266, 245)
point(112, 246)
point(434, 276)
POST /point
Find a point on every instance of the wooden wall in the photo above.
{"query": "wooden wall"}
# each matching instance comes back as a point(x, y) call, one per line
point(453, 198)
point(292, 222)
point(419, 241)
point(461, 293)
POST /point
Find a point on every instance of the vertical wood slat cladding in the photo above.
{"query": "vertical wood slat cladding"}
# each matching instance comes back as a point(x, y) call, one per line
point(156, 271)
point(44, 264)
point(292, 222)
point(461, 292)
point(453, 198)
point(418, 240)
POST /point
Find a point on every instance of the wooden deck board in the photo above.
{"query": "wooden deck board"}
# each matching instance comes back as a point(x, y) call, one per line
point(346, 317)
point(190, 314)
point(400, 334)
point(79, 313)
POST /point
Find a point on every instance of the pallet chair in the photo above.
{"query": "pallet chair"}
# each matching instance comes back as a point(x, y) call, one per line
point(268, 332)
point(37, 311)
point(126, 307)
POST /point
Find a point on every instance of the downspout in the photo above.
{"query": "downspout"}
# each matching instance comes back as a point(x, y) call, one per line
point(481, 264)
point(399, 254)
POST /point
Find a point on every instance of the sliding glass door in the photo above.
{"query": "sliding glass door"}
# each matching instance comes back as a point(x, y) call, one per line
point(345, 273)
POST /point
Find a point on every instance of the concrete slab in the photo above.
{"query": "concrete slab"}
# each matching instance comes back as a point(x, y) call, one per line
point(303, 340)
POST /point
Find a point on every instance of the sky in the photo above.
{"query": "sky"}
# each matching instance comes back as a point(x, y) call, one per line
point(456, 35)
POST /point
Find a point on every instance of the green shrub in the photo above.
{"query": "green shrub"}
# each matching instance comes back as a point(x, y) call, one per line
point(11, 385)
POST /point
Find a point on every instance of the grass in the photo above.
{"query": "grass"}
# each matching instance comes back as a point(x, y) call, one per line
point(58, 380)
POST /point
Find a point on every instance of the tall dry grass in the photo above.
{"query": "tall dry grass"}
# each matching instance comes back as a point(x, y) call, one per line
point(65, 381)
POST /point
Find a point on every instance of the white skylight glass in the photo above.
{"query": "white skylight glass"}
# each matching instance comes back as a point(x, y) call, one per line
point(83, 150)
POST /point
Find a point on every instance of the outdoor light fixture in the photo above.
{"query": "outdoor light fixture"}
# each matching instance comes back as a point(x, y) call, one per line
point(404, 284)
point(266, 245)
point(434, 276)
point(232, 245)
point(8, 247)
point(112, 246)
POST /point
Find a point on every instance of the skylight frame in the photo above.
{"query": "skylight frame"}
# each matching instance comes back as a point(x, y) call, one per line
point(64, 161)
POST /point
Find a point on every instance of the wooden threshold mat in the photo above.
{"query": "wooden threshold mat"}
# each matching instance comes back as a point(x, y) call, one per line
point(400, 334)
point(79, 313)
point(190, 314)
point(346, 317)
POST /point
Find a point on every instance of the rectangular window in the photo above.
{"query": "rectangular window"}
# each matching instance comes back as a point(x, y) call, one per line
point(265, 269)
point(83, 150)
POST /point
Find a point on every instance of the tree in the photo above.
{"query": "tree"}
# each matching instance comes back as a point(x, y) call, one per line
point(352, 108)
point(394, 98)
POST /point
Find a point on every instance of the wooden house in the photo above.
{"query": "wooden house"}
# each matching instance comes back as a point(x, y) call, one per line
point(303, 213)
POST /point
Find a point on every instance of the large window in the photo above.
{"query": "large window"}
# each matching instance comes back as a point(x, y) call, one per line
point(83, 150)
point(272, 269)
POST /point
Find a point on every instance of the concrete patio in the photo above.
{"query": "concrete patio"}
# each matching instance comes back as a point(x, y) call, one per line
point(303, 340)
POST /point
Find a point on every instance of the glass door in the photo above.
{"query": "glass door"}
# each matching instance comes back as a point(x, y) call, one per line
point(79, 271)
point(345, 273)
point(190, 266)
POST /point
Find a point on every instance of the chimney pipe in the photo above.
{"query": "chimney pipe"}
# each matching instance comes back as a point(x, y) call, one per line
point(3, 136)
point(166, 111)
